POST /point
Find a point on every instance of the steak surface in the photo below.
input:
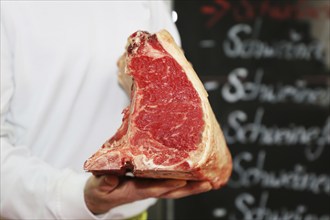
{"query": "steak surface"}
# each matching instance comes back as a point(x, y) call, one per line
point(169, 130)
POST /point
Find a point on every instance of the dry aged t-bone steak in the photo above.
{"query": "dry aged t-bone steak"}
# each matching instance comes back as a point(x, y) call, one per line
point(169, 130)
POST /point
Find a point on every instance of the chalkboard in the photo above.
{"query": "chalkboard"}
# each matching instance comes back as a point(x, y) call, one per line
point(265, 65)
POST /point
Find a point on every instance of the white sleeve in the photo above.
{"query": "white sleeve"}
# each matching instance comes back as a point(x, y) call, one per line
point(161, 18)
point(31, 188)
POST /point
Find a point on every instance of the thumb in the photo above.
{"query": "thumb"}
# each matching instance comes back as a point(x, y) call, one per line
point(108, 183)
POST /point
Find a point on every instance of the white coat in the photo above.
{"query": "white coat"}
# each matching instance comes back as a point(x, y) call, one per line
point(60, 99)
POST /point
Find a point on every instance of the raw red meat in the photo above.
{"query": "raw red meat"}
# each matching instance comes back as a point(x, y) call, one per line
point(169, 130)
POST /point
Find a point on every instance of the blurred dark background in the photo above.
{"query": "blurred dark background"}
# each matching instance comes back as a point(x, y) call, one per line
point(265, 65)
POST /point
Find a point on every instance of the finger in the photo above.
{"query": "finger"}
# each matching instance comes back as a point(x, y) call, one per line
point(192, 188)
point(107, 183)
point(157, 188)
point(137, 189)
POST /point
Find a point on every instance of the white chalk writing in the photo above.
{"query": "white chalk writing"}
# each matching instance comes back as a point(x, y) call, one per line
point(250, 209)
point(237, 45)
point(238, 130)
point(249, 171)
point(239, 89)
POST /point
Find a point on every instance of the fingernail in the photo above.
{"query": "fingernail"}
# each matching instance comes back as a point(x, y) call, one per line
point(177, 183)
point(111, 180)
point(207, 186)
point(182, 183)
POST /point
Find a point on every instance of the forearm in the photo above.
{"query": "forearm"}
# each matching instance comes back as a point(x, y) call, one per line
point(31, 188)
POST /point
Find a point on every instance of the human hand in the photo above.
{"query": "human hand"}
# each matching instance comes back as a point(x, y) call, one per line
point(106, 192)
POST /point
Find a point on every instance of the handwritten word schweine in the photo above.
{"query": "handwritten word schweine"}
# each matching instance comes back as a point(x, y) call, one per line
point(252, 208)
point(249, 170)
point(239, 88)
point(247, 10)
point(241, 129)
point(241, 44)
